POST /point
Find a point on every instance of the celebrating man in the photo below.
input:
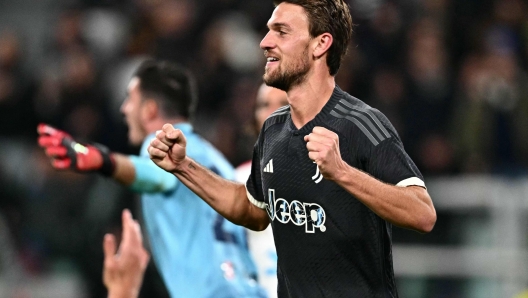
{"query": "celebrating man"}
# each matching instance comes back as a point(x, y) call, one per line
point(329, 172)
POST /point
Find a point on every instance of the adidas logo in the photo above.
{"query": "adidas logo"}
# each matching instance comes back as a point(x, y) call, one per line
point(318, 176)
point(269, 167)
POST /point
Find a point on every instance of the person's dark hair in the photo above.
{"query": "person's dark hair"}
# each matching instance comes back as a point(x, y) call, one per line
point(171, 86)
point(332, 16)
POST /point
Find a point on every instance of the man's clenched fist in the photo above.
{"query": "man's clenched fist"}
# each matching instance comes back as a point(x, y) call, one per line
point(323, 149)
point(167, 150)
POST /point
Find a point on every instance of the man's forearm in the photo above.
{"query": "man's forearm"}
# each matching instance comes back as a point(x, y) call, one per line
point(227, 197)
point(124, 172)
point(409, 207)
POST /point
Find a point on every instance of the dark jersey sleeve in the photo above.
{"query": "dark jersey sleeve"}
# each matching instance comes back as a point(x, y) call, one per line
point(388, 161)
point(254, 182)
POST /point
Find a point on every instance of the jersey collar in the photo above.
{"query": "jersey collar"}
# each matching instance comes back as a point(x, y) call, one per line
point(321, 116)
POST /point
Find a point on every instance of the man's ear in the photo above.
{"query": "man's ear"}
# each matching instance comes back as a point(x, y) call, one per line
point(149, 110)
point(321, 44)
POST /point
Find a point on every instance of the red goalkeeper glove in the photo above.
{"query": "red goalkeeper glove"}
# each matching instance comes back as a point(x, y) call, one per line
point(65, 153)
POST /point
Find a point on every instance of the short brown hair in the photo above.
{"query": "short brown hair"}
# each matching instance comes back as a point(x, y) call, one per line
point(170, 85)
point(332, 16)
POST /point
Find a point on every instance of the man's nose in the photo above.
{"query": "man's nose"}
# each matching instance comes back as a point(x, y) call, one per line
point(267, 42)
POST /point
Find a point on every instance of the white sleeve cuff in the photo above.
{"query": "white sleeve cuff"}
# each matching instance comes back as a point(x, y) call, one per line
point(259, 204)
point(413, 181)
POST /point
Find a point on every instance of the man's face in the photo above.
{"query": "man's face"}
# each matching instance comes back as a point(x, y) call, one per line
point(131, 108)
point(286, 47)
point(269, 99)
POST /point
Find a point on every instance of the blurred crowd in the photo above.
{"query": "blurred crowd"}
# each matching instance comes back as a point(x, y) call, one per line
point(450, 75)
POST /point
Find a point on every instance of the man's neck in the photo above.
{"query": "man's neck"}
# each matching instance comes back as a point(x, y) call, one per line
point(308, 99)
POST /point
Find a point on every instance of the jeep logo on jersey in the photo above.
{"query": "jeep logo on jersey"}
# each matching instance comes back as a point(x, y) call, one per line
point(310, 215)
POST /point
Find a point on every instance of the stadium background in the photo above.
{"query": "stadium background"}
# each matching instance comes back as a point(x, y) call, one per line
point(450, 75)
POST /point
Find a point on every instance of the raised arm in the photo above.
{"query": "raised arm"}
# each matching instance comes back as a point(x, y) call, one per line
point(124, 268)
point(137, 172)
point(228, 198)
point(410, 207)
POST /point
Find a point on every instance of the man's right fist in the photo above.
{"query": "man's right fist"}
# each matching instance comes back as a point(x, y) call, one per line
point(167, 149)
point(65, 153)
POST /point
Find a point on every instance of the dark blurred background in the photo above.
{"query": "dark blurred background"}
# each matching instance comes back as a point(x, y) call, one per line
point(449, 74)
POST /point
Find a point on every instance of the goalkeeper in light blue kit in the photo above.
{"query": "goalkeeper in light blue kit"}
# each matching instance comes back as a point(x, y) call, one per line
point(197, 251)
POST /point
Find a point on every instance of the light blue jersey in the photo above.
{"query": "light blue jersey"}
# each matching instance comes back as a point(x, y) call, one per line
point(197, 251)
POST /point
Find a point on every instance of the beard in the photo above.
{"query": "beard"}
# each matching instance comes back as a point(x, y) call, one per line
point(292, 75)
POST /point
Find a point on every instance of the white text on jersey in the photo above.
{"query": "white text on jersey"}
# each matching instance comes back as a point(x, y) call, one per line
point(309, 214)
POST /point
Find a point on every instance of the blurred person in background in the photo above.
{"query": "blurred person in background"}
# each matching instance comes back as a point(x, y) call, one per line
point(332, 230)
point(11, 269)
point(382, 37)
point(222, 75)
point(16, 90)
point(261, 244)
point(198, 252)
point(490, 127)
point(72, 96)
point(429, 98)
point(72, 89)
point(14, 99)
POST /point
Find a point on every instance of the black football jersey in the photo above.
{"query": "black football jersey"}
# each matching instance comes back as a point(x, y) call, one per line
point(329, 244)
